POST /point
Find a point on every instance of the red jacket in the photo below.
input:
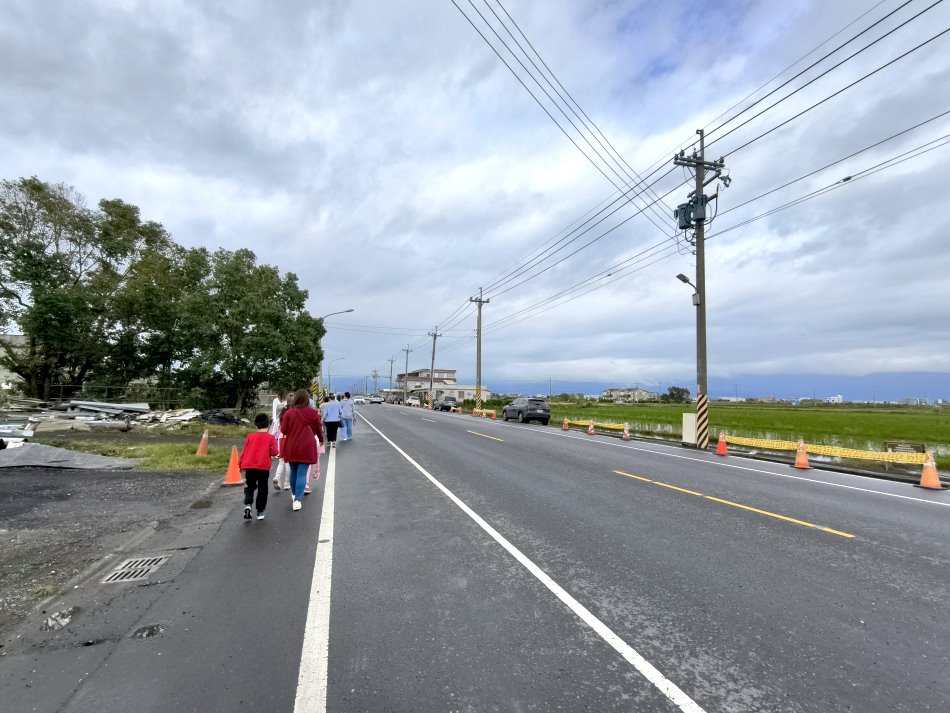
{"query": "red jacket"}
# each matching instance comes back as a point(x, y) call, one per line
point(259, 448)
point(299, 426)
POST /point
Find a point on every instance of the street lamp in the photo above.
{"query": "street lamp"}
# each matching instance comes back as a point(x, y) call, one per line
point(702, 387)
point(320, 376)
point(329, 373)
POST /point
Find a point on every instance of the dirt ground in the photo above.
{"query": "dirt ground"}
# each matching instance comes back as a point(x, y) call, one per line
point(55, 523)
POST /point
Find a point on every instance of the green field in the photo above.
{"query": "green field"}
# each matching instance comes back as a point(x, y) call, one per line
point(864, 427)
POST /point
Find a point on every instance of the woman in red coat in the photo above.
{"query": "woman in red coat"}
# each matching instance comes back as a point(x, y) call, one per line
point(299, 449)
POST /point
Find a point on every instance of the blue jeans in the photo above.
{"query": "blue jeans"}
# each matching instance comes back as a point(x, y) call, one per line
point(298, 479)
point(347, 429)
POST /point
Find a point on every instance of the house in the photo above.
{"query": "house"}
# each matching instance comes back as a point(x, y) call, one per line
point(628, 396)
point(443, 384)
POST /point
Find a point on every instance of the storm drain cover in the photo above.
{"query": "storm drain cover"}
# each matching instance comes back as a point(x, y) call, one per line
point(135, 570)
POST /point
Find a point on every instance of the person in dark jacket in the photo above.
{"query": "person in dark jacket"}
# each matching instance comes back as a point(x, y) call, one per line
point(301, 427)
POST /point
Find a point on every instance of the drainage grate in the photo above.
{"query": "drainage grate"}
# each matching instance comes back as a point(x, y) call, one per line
point(135, 570)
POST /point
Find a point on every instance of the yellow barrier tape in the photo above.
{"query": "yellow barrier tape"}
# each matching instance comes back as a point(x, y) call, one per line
point(602, 426)
point(835, 451)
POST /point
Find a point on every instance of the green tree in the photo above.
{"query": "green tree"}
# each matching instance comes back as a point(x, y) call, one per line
point(676, 395)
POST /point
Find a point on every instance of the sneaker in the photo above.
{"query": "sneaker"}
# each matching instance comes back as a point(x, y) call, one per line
point(296, 505)
point(247, 512)
point(260, 516)
point(276, 485)
point(307, 491)
point(333, 445)
point(286, 487)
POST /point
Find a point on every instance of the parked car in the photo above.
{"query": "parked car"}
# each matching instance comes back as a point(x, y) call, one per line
point(526, 409)
point(412, 401)
point(375, 399)
point(359, 399)
point(446, 403)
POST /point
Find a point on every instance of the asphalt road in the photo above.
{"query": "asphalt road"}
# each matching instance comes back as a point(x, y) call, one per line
point(474, 565)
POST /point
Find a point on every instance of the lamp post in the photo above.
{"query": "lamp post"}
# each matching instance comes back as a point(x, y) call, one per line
point(320, 376)
point(329, 372)
point(702, 387)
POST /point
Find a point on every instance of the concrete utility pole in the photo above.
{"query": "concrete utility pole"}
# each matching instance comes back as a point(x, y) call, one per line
point(434, 334)
point(405, 377)
point(391, 360)
point(693, 215)
point(375, 381)
point(478, 349)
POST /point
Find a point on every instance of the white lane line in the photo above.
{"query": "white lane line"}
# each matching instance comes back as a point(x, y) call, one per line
point(588, 439)
point(667, 687)
point(312, 677)
point(428, 419)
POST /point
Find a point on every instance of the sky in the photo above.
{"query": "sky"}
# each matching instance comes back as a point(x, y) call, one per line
point(387, 156)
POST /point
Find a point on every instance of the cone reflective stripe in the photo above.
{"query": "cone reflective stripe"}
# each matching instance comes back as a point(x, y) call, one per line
point(565, 427)
point(801, 457)
point(626, 431)
point(590, 429)
point(234, 471)
point(203, 445)
point(721, 448)
point(929, 478)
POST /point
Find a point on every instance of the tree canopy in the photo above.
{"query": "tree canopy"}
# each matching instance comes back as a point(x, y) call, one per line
point(102, 297)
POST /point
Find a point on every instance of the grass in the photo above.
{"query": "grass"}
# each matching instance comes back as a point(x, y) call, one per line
point(865, 428)
point(154, 456)
point(197, 427)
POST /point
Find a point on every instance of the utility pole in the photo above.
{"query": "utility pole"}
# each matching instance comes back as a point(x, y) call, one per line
point(375, 381)
point(478, 350)
point(391, 360)
point(405, 377)
point(434, 334)
point(693, 215)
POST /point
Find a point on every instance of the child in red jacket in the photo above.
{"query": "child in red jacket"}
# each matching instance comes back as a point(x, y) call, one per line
point(259, 448)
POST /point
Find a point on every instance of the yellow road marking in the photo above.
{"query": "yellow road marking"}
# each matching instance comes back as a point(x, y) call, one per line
point(737, 505)
point(476, 433)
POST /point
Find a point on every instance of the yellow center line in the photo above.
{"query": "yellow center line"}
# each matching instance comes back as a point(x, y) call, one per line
point(738, 505)
point(476, 433)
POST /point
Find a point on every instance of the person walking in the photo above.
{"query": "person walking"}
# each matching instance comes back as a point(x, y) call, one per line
point(331, 417)
point(302, 429)
point(346, 416)
point(282, 473)
point(259, 448)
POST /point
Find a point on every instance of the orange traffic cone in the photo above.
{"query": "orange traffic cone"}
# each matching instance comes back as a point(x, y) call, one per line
point(565, 426)
point(234, 472)
point(484, 415)
point(203, 445)
point(626, 432)
point(929, 478)
point(493, 416)
point(590, 429)
point(721, 448)
point(801, 457)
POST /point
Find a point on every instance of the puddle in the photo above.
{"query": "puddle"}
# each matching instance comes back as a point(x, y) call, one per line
point(59, 619)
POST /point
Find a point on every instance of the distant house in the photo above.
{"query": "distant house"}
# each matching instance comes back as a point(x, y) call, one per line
point(628, 396)
point(839, 399)
point(443, 384)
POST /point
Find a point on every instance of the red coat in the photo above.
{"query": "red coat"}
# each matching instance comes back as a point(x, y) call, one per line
point(257, 452)
point(299, 426)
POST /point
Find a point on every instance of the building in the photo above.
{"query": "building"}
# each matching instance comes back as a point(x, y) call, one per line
point(416, 383)
point(839, 399)
point(628, 396)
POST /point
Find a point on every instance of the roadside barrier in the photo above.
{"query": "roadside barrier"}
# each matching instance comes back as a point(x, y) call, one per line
point(801, 456)
point(592, 427)
point(626, 432)
point(721, 448)
point(203, 445)
point(929, 478)
point(566, 426)
point(483, 413)
point(834, 451)
point(234, 472)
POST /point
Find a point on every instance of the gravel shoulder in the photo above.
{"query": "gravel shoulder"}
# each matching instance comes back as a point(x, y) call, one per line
point(57, 523)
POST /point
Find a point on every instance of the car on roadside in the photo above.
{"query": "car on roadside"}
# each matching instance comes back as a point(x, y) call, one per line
point(413, 401)
point(359, 399)
point(524, 409)
point(446, 403)
point(375, 399)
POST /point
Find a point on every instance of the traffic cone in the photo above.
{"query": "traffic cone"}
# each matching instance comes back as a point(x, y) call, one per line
point(565, 426)
point(929, 478)
point(626, 432)
point(801, 457)
point(493, 416)
point(484, 415)
point(721, 448)
point(590, 429)
point(203, 445)
point(234, 472)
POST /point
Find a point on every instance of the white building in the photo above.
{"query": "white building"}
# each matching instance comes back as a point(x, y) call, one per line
point(628, 396)
point(839, 399)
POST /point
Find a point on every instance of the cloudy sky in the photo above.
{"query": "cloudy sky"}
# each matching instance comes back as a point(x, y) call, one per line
point(384, 153)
